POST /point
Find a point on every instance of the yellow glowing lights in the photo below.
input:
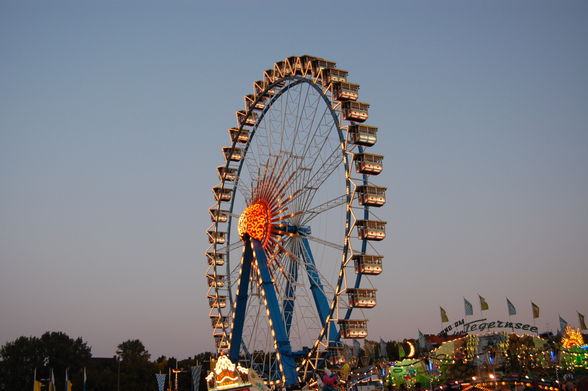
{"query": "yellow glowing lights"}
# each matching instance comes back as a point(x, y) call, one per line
point(254, 221)
point(572, 337)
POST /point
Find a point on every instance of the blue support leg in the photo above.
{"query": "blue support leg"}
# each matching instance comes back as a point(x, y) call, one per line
point(241, 302)
point(279, 328)
point(318, 292)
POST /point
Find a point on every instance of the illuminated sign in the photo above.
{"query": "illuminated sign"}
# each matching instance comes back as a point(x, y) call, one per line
point(483, 325)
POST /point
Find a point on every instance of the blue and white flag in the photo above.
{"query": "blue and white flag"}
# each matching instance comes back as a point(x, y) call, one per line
point(160, 380)
point(422, 342)
point(52, 384)
point(196, 377)
point(356, 348)
point(469, 309)
point(511, 308)
point(383, 352)
point(562, 324)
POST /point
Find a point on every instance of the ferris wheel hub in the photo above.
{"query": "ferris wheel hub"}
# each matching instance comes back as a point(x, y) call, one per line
point(254, 221)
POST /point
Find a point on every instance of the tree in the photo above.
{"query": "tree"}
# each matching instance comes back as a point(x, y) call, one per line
point(18, 360)
point(136, 371)
point(134, 350)
point(53, 351)
point(63, 352)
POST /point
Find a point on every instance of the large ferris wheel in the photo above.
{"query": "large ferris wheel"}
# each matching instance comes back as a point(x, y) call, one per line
point(291, 242)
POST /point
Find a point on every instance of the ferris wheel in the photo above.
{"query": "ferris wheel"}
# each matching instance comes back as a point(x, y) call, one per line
point(293, 225)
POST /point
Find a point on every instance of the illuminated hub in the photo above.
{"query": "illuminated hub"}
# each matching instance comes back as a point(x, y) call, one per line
point(254, 221)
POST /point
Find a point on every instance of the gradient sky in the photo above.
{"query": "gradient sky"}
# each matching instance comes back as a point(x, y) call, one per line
point(113, 113)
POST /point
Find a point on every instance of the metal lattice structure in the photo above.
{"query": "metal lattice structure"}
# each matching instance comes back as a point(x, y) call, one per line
point(282, 296)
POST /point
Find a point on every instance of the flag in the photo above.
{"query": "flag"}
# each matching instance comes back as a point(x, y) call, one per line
point(562, 324)
point(535, 308)
point(196, 377)
point(36, 383)
point(85, 378)
point(469, 309)
point(422, 342)
point(160, 377)
point(582, 321)
point(444, 317)
point(356, 348)
point(383, 352)
point(401, 353)
point(483, 304)
point(67, 382)
point(52, 382)
point(511, 308)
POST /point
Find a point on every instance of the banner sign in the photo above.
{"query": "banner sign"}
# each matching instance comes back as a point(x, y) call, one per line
point(160, 380)
point(196, 377)
point(482, 325)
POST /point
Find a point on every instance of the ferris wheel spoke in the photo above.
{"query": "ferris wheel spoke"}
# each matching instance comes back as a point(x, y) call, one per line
point(325, 206)
point(325, 242)
point(321, 175)
point(298, 118)
point(230, 247)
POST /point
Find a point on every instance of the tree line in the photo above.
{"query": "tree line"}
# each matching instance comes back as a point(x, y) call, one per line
point(56, 352)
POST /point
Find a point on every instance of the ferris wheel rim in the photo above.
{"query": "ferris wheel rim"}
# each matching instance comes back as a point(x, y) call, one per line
point(298, 80)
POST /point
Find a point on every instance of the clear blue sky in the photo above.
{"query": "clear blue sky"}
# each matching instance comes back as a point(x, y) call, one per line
point(113, 113)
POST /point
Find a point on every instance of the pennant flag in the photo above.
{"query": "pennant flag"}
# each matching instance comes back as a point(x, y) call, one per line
point(422, 342)
point(469, 309)
point(483, 304)
point(582, 321)
point(356, 348)
point(67, 382)
point(401, 352)
point(160, 377)
point(562, 323)
point(535, 308)
point(52, 382)
point(511, 308)
point(383, 352)
point(36, 383)
point(196, 377)
point(444, 317)
point(85, 378)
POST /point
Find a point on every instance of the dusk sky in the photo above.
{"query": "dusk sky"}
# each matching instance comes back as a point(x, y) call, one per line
point(113, 115)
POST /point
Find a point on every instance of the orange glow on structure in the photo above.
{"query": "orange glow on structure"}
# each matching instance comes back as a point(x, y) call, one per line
point(572, 337)
point(254, 221)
